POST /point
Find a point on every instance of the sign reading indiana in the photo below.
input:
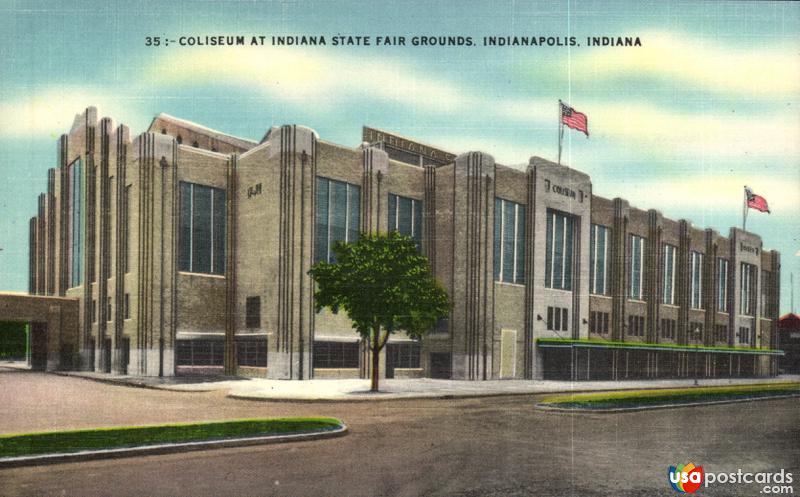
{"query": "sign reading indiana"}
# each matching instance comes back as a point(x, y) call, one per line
point(372, 135)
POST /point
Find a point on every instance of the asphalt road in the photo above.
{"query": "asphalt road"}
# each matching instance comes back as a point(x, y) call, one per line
point(470, 447)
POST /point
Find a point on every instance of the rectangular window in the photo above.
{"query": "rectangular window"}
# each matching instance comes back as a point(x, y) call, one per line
point(339, 355)
point(598, 322)
point(637, 266)
point(108, 310)
point(509, 241)
point(668, 270)
point(403, 355)
point(251, 352)
point(598, 253)
point(721, 333)
point(697, 280)
point(557, 318)
point(405, 217)
point(745, 335)
point(253, 312)
point(722, 285)
point(747, 284)
point(94, 310)
point(695, 331)
point(77, 232)
point(126, 230)
point(668, 329)
point(200, 352)
point(202, 229)
point(337, 215)
point(127, 306)
point(558, 253)
point(635, 325)
point(766, 282)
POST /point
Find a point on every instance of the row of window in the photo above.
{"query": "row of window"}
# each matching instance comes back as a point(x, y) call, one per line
point(557, 319)
point(636, 325)
point(203, 229)
point(344, 355)
point(598, 323)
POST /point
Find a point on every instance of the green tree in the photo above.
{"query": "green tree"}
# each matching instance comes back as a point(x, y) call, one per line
point(384, 285)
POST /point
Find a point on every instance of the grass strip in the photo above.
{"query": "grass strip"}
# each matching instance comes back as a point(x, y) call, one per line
point(70, 441)
point(635, 398)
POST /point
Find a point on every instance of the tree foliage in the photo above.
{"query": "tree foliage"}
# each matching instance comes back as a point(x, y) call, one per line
point(384, 285)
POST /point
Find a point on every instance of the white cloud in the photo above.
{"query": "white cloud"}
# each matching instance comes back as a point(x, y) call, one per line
point(51, 112)
point(704, 192)
point(314, 79)
point(699, 134)
point(686, 60)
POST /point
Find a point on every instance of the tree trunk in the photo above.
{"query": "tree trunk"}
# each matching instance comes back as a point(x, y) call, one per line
point(376, 357)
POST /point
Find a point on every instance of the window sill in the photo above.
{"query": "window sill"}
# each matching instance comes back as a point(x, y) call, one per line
point(206, 275)
point(508, 283)
point(600, 295)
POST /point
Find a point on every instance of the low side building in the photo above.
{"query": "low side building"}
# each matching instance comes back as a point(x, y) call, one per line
point(188, 250)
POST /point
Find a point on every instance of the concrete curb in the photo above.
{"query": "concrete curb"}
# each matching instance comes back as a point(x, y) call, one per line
point(589, 410)
point(147, 450)
point(128, 382)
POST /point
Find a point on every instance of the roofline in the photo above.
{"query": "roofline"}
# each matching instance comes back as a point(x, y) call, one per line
point(226, 137)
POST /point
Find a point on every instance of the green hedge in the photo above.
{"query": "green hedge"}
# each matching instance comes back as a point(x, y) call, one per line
point(132, 436)
point(633, 398)
point(13, 340)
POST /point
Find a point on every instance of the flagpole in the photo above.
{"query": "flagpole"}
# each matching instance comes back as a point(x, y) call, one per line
point(560, 129)
point(744, 210)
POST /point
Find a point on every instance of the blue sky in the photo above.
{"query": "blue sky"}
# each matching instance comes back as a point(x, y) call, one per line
point(709, 103)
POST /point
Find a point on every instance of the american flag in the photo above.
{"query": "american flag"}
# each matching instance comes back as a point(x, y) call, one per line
point(574, 119)
point(756, 202)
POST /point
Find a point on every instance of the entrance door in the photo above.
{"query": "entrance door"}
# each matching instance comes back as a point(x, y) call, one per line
point(508, 353)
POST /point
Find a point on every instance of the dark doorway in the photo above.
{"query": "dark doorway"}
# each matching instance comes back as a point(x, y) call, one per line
point(440, 365)
point(124, 355)
point(106, 355)
point(39, 346)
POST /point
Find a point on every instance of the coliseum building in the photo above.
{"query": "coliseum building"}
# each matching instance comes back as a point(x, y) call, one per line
point(187, 249)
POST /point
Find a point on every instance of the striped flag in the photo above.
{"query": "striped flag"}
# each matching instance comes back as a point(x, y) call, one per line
point(574, 119)
point(756, 202)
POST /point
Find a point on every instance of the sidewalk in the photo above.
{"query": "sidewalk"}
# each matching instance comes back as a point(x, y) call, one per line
point(358, 390)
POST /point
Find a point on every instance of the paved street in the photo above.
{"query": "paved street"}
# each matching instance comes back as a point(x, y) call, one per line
point(462, 447)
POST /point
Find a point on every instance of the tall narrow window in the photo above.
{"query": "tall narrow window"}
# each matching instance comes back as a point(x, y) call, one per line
point(558, 253)
point(766, 283)
point(405, 217)
point(338, 211)
point(637, 265)
point(722, 285)
point(126, 229)
point(202, 229)
point(509, 241)
point(77, 232)
point(697, 280)
point(598, 253)
point(668, 270)
point(747, 281)
point(253, 312)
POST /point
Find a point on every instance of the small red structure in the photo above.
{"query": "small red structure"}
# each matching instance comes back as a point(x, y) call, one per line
point(789, 342)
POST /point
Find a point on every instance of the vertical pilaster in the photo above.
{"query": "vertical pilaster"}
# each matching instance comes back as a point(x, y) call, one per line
point(294, 148)
point(230, 267)
point(620, 269)
point(473, 326)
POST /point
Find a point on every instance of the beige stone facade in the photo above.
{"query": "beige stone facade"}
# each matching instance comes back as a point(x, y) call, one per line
point(188, 250)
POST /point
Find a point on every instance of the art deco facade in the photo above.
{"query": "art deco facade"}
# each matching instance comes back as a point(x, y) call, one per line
point(188, 249)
